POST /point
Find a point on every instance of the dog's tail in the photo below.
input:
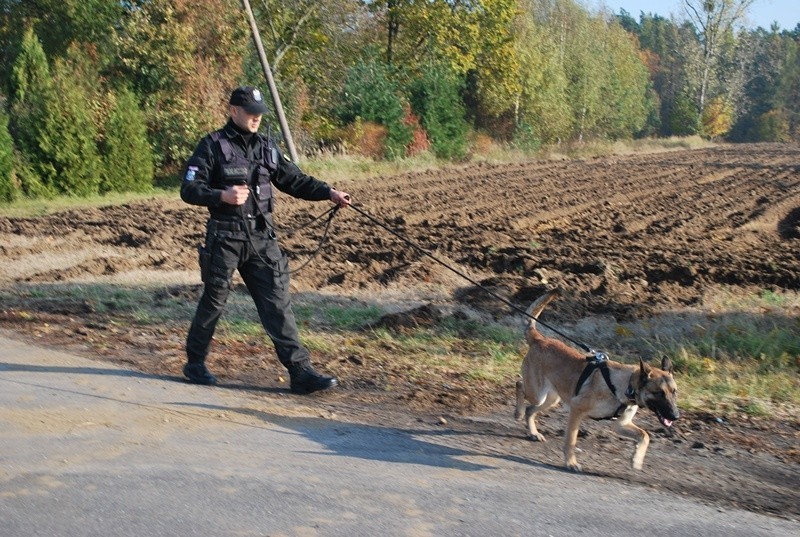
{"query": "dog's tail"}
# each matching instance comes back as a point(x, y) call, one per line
point(534, 310)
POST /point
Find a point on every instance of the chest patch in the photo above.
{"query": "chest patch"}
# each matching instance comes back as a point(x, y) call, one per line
point(235, 172)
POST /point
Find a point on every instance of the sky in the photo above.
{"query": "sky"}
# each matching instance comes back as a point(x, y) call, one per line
point(761, 13)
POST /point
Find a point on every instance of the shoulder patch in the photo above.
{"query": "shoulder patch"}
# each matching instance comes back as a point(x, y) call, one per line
point(191, 171)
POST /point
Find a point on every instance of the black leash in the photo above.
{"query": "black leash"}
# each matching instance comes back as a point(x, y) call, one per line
point(330, 213)
point(473, 282)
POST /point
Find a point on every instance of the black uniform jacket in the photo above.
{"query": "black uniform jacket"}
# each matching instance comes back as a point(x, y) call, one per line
point(203, 177)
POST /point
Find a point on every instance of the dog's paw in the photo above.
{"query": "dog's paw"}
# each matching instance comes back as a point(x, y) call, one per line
point(575, 468)
point(538, 437)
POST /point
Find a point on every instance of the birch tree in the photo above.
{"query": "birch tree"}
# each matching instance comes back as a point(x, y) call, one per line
point(713, 19)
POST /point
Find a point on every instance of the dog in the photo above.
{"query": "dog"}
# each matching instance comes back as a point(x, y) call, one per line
point(553, 371)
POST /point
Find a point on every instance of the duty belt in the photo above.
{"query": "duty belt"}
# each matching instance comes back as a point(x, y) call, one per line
point(254, 225)
point(235, 225)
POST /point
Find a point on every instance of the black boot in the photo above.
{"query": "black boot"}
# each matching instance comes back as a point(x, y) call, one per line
point(198, 374)
point(305, 380)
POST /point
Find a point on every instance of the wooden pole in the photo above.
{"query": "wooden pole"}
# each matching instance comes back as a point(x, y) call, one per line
point(273, 90)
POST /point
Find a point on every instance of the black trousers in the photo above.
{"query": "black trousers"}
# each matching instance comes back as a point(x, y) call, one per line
point(267, 280)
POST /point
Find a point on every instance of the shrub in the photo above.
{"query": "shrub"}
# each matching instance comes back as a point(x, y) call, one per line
point(370, 94)
point(717, 118)
point(436, 98)
point(526, 140)
point(53, 123)
point(684, 119)
point(366, 138)
point(9, 189)
point(772, 126)
point(419, 138)
point(127, 158)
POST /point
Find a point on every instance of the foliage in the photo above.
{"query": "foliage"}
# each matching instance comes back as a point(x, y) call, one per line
point(54, 128)
point(127, 159)
point(58, 23)
point(684, 118)
point(68, 136)
point(371, 94)
point(9, 189)
point(422, 30)
point(32, 90)
point(533, 72)
point(497, 70)
point(435, 97)
point(182, 58)
point(544, 114)
point(716, 119)
point(772, 126)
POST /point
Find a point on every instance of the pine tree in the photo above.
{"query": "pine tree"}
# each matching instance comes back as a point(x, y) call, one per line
point(435, 97)
point(127, 158)
point(69, 136)
point(32, 87)
point(9, 189)
point(54, 126)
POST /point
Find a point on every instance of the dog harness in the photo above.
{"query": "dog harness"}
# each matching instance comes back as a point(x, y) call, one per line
point(599, 360)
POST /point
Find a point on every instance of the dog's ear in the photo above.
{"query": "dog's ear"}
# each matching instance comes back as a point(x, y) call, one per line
point(644, 371)
point(666, 364)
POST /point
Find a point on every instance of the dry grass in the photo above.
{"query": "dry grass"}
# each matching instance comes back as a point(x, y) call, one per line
point(728, 369)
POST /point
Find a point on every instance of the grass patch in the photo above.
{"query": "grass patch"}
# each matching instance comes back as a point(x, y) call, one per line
point(740, 366)
point(337, 317)
point(27, 207)
point(134, 305)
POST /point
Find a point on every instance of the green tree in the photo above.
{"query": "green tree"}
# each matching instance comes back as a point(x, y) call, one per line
point(435, 97)
point(684, 119)
point(9, 189)
point(182, 57)
point(542, 109)
point(58, 23)
point(127, 157)
point(371, 95)
point(310, 46)
point(772, 126)
point(54, 124)
point(32, 91)
point(715, 20)
point(661, 40)
point(68, 136)
point(608, 80)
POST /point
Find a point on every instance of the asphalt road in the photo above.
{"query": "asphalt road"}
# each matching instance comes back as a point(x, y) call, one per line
point(89, 449)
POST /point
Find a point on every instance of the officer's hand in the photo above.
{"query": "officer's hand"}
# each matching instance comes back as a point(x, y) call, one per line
point(342, 199)
point(235, 194)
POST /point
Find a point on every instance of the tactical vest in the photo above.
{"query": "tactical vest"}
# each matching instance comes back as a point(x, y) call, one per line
point(239, 170)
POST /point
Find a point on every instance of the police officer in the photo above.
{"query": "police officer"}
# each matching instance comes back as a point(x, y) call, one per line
point(232, 172)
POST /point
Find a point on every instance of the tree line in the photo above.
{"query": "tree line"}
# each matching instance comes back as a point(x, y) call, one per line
point(106, 95)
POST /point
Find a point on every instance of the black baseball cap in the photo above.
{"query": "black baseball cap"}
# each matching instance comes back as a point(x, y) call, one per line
point(250, 99)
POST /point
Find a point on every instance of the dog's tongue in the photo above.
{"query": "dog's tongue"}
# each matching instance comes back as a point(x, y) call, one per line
point(666, 422)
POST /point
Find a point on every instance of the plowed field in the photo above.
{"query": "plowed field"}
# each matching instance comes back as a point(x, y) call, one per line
point(629, 238)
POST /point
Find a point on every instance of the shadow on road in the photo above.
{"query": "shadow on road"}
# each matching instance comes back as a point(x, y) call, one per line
point(369, 442)
point(27, 368)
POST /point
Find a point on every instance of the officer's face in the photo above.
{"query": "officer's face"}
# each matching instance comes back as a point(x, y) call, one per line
point(245, 120)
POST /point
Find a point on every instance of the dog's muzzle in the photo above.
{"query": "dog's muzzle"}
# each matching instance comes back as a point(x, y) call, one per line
point(665, 411)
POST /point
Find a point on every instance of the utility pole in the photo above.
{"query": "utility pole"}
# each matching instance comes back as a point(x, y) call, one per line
point(273, 90)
